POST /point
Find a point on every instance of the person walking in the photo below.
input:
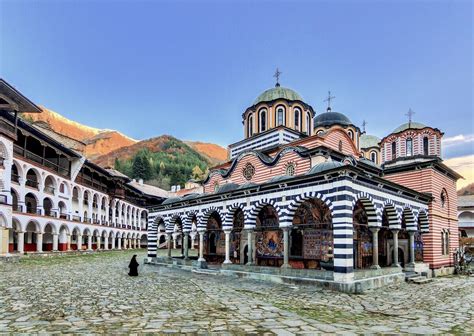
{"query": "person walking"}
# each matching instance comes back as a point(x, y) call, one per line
point(133, 266)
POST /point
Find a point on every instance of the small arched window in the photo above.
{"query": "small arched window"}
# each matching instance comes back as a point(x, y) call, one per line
point(250, 126)
point(320, 132)
point(263, 120)
point(340, 145)
point(394, 150)
point(290, 169)
point(409, 147)
point(308, 124)
point(216, 186)
point(373, 156)
point(297, 119)
point(443, 198)
point(280, 115)
point(425, 146)
point(351, 134)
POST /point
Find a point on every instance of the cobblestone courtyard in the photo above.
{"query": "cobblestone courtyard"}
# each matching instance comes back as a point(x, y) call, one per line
point(93, 294)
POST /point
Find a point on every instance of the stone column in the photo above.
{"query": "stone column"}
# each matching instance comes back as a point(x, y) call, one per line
point(21, 242)
point(39, 242)
point(169, 244)
point(395, 248)
point(411, 248)
point(79, 242)
point(119, 243)
point(375, 247)
point(201, 246)
point(227, 247)
point(129, 243)
point(89, 243)
point(186, 247)
point(250, 247)
point(138, 243)
point(286, 247)
point(113, 243)
point(55, 241)
point(106, 243)
point(97, 241)
point(68, 238)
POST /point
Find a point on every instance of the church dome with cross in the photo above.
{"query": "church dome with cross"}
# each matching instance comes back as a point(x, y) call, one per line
point(278, 108)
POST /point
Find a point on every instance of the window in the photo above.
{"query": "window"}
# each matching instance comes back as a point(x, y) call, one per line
point(340, 146)
point(425, 146)
point(351, 134)
point(394, 150)
point(263, 120)
point(280, 115)
point(320, 132)
point(443, 245)
point(443, 198)
point(248, 171)
point(409, 147)
point(373, 156)
point(250, 126)
point(290, 169)
point(298, 119)
point(308, 124)
point(216, 186)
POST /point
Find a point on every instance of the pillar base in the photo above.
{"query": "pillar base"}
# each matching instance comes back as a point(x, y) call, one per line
point(250, 263)
point(227, 262)
point(286, 266)
point(396, 265)
point(201, 264)
point(375, 267)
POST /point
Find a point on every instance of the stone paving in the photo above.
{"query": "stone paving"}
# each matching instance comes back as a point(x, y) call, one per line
point(93, 294)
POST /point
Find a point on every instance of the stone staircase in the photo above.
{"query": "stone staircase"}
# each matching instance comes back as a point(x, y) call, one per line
point(416, 278)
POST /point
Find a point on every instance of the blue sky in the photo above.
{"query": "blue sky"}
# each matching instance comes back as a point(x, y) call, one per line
point(190, 69)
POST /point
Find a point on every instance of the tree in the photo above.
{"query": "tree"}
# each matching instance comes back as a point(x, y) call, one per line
point(141, 167)
point(117, 165)
point(197, 173)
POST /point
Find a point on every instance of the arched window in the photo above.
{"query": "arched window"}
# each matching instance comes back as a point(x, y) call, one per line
point(290, 169)
point(373, 156)
point(340, 145)
point(280, 112)
point(443, 198)
point(297, 119)
point(216, 186)
point(351, 134)
point(394, 150)
point(425, 146)
point(308, 124)
point(250, 126)
point(409, 147)
point(263, 120)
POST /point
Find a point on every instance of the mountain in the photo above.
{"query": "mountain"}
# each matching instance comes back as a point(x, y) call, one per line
point(214, 153)
point(162, 161)
point(98, 141)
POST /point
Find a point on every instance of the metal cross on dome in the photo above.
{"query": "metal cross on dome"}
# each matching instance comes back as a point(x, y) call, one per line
point(277, 76)
point(409, 114)
point(364, 123)
point(328, 99)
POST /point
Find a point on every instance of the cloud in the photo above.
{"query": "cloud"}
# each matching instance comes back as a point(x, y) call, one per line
point(456, 140)
point(463, 165)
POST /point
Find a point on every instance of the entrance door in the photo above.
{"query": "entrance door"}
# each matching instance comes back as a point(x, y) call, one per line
point(401, 257)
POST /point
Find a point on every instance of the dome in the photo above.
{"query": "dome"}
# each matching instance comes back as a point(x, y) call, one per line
point(331, 118)
point(276, 93)
point(367, 141)
point(323, 166)
point(411, 125)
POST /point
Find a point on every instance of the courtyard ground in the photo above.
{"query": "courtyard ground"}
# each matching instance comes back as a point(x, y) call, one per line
point(93, 294)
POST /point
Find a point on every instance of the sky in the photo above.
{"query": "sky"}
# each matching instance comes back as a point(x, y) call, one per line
point(191, 68)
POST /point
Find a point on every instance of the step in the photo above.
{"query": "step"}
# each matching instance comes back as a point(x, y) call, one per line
point(415, 278)
point(205, 271)
point(422, 281)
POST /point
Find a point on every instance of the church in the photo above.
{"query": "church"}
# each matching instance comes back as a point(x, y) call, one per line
point(309, 196)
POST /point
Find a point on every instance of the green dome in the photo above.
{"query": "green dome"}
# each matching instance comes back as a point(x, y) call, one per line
point(367, 141)
point(276, 93)
point(411, 125)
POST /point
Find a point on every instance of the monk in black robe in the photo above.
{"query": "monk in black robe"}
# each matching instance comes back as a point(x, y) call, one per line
point(133, 266)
